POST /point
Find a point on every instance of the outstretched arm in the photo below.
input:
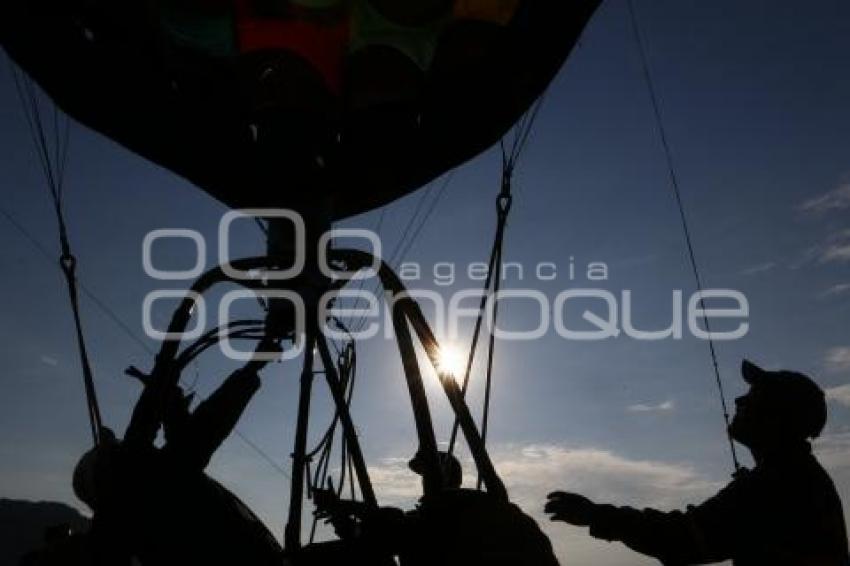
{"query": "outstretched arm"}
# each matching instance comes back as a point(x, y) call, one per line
point(149, 412)
point(699, 535)
point(216, 417)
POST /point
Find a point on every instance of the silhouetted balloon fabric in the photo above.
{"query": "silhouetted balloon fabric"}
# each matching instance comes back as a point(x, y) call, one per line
point(292, 103)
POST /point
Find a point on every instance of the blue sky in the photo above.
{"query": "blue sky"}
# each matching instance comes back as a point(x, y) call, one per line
point(754, 97)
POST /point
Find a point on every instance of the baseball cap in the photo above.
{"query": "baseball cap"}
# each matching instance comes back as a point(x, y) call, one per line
point(796, 395)
point(451, 468)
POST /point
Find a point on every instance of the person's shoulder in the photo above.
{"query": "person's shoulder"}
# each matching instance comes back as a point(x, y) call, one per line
point(821, 477)
point(743, 484)
point(800, 480)
point(814, 465)
point(743, 480)
point(804, 471)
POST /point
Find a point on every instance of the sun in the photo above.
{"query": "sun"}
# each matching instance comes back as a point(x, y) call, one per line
point(451, 361)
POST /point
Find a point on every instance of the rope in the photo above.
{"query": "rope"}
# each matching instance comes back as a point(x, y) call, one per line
point(504, 206)
point(53, 159)
point(377, 230)
point(494, 267)
point(405, 244)
point(68, 263)
point(361, 321)
point(504, 201)
point(433, 206)
point(674, 183)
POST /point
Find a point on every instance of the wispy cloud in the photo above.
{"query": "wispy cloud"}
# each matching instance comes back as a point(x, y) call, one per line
point(47, 360)
point(839, 394)
point(838, 252)
point(663, 407)
point(836, 290)
point(531, 471)
point(397, 484)
point(835, 248)
point(837, 199)
point(759, 268)
point(838, 358)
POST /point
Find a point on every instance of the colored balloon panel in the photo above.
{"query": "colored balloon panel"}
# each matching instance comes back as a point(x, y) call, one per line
point(322, 45)
point(207, 28)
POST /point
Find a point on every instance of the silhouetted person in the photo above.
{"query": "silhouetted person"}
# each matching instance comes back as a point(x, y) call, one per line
point(784, 512)
point(156, 504)
point(451, 527)
point(373, 535)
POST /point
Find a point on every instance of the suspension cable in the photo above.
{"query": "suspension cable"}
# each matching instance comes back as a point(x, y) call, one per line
point(674, 184)
point(494, 269)
point(409, 238)
point(360, 284)
point(53, 159)
point(361, 321)
point(504, 201)
point(504, 206)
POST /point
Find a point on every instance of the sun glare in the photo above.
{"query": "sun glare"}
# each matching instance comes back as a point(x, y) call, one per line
point(451, 361)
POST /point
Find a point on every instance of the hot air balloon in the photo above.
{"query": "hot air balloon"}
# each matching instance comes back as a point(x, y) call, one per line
point(311, 105)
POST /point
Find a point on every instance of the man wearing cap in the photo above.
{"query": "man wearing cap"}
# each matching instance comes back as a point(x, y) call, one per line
point(450, 527)
point(354, 519)
point(785, 511)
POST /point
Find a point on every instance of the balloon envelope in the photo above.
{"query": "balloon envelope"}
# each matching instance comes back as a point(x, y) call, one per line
point(297, 103)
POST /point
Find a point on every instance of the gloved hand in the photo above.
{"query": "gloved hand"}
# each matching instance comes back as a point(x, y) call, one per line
point(327, 502)
point(570, 508)
point(339, 513)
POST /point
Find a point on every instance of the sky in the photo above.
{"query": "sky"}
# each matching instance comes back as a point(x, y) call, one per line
point(754, 100)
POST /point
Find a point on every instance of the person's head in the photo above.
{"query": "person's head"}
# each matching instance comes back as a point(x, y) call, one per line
point(449, 466)
point(781, 408)
point(89, 470)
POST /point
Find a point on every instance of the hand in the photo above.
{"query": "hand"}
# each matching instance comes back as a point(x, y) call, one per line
point(327, 502)
point(570, 508)
point(336, 512)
